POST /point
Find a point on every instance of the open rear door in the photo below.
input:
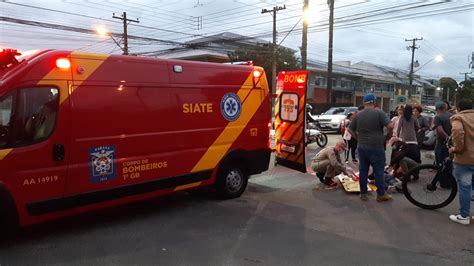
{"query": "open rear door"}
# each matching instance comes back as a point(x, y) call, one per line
point(290, 119)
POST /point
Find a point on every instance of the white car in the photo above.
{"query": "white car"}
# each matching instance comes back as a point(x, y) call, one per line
point(332, 119)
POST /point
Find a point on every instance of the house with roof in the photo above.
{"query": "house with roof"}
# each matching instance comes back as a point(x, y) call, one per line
point(350, 82)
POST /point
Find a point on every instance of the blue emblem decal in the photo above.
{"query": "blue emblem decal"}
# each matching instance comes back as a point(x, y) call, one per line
point(102, 163)
point(231, 107)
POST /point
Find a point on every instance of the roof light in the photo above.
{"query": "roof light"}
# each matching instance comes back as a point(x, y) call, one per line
point(8, 57)
point(63, 63)
point(256, 74)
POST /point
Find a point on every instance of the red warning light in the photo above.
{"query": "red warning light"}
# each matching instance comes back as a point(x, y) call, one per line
point(63, 63)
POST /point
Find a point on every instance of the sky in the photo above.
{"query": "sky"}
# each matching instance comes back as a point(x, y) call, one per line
point(371, 31)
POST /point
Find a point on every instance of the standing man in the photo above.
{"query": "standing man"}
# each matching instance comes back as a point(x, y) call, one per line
point(463, 150)
point(443, 130)
point(368, 127)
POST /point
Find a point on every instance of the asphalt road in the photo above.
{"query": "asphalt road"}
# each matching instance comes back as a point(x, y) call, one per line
point(282, 219)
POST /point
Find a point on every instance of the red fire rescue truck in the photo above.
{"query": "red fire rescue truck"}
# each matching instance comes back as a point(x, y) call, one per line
point(85, 131)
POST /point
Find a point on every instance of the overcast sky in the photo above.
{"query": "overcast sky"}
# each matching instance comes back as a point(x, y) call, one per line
point(371, 31)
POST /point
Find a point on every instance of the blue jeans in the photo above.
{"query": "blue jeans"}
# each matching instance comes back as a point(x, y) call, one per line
point(464, 176)
point(375, 158)
point(441, 153)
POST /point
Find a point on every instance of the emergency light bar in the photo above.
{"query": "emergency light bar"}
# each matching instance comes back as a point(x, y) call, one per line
point(7, 57)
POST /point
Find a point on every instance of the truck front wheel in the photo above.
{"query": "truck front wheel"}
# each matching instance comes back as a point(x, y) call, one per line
point(8, 215)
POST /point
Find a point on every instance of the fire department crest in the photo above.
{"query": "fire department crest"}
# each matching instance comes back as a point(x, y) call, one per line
point(102, 163)
point(231, 106)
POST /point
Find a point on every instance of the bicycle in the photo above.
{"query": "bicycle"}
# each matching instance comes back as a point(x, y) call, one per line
point(431, 186)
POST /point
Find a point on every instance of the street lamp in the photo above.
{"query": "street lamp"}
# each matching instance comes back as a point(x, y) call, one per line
point(311, 14)
point(438, 58)
point(447, 94)
point(102, 31)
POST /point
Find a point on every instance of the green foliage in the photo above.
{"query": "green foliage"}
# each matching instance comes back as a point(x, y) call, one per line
point(466, 91)
point(262, 56)
point(448, 84)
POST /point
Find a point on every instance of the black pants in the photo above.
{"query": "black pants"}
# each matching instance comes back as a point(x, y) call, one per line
point(351, 148)
point(406, 150)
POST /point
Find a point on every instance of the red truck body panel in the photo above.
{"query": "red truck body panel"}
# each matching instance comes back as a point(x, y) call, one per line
point(131, 128)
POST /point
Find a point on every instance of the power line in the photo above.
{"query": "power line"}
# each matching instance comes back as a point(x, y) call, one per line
point(79, 30)
point(126, 21)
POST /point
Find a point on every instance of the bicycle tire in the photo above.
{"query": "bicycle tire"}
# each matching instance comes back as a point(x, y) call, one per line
point(322, 140)
point(407, 182)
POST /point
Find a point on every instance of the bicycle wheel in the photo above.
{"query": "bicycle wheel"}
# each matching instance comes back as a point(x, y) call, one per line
point(322, 140)
point(421, 186)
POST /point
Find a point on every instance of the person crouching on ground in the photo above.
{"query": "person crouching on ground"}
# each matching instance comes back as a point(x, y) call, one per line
point(367, 127)
point(463, 150)
point(327, 163)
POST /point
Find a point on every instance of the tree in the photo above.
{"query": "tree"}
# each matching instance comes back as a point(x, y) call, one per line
point(262, 56)
point(448, 84)
point(466, 91)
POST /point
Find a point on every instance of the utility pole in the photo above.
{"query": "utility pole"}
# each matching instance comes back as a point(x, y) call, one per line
point(413, 47)
point(331, 26)
point(465, 75)
point(274, 11)
point(125, 24)
point(304, 42)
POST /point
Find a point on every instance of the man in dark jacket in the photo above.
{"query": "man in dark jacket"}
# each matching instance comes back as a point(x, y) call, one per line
point(368, 127)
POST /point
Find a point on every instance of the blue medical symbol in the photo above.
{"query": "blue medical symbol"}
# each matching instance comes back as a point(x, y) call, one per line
point(231, 106)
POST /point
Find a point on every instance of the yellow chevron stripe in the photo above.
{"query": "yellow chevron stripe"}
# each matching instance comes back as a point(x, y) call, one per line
point(89, 62)
point(183, 187)
point(233, 129)
point(4, 153)
point(294, 127)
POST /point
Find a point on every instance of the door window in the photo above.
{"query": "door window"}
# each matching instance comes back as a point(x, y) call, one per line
point(28, 118)
point(6, 108)
point(289, 107)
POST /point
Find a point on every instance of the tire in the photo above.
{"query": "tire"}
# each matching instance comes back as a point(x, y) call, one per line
point(9, 222)
point(231, 180)
point(322, 140)
point(417, 186)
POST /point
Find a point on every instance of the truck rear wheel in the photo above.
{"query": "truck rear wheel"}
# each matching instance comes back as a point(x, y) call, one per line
point(231, 181)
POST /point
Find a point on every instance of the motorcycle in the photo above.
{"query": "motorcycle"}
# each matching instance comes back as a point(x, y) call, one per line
point(314, 134)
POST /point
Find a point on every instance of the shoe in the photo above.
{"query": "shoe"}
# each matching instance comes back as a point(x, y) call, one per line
point(459, 219)
point(384, 197)
point(347, 161)
point(355, 161)
point(391, 189)
point(363, 196)
point(399, 189)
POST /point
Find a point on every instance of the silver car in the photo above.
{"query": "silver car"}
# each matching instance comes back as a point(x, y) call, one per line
point(332, 119)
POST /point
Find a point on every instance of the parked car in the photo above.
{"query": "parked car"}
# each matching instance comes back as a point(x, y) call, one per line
point(333, 119)
point(430, 139)
point(430, 135)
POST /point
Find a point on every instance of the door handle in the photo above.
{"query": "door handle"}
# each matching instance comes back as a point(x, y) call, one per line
point(58, 152)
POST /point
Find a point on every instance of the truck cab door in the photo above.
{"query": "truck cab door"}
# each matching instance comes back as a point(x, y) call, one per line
point(290, 119)
point(33, 160)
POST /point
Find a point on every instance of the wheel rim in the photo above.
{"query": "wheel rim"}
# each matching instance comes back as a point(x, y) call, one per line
point(234, 180)
point(322, 140)
point(426, 193)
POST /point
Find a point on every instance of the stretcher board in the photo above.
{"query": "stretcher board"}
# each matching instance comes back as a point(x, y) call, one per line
point(350, 185)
